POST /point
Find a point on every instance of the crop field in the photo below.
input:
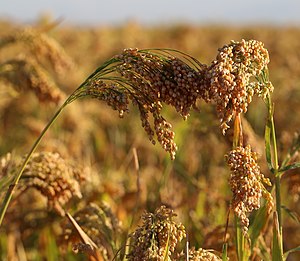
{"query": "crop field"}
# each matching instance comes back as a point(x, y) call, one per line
point(130, 142)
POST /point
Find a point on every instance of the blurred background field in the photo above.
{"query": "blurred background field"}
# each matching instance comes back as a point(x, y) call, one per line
point(91, 134)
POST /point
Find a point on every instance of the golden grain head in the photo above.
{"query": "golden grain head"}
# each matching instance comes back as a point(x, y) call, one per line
point(246, 183)
point(42, 47)
point(56, 178)
point(26, 75)
point(234, 75)
point(203, 255)
point(157, 237)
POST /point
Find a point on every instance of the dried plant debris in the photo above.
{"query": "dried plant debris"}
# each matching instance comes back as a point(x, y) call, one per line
point(157, 237)
point(100, 224)
point(7, 167)
point(247, 184)
point(26, 75)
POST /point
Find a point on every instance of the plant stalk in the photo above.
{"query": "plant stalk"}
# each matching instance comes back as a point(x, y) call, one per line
point(12, 186)
point(276, 168)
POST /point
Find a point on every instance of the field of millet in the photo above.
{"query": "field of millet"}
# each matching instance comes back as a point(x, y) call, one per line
point(95, 174)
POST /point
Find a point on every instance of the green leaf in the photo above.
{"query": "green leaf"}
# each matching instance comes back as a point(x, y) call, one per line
point(259, 220)
point(277, 253)
point(291, 213)
point(224, 252)
point(291, 166)
point(296, 249)
point(268, 142)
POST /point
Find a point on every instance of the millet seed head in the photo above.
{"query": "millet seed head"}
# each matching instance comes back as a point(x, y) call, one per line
point(246, 183)
point(155, 236)
point(56, 178)
point(199, 255)
point(234, 75)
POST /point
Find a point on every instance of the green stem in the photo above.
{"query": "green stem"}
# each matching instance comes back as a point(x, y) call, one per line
point(277, 239)
point(15, 182)
point(277, 178)
point(275, 166)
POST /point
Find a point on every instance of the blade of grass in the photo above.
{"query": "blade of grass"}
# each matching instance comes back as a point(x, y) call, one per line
point(268, 138)
point(289, 167)
point(259, 221)
point(166, 255)
point(286, 254)
point(277, 253)
point(294, 215)
point(224, 252)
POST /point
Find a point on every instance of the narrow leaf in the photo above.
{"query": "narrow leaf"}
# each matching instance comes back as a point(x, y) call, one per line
point(291, 166)
point(292, 214)
point(296, 249)
point(259, 221)
point(224, 252)
point(277, 253)
point(268, 143)
point(166, 255)
point(85, 238)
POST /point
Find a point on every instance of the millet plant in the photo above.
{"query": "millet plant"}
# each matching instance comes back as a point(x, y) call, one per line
point(151, 79)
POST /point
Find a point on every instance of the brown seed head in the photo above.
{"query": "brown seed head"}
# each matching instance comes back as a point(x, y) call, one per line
point(232, 78)
point(149, 80)
point(57, 179)
point(246, 183)
point(42, 47)
point(202, 255)
point(26, 74)
point(157, 237)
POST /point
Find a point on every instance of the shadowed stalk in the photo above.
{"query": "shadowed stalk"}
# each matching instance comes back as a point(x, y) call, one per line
point(272, 158)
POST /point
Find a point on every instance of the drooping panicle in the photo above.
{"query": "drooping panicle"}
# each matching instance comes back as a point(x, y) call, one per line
point(235, 76)
point(150, 79)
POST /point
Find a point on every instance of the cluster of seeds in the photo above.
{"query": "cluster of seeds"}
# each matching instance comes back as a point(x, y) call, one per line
point(233, 78)
point(42, 47)
point(163, 78)
point(157, 238)
point(56, 178)
point(199, 255)
point(113, 94)
point(149, 80)
point(246, 183)
point(26, 74)
point(100, 224)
